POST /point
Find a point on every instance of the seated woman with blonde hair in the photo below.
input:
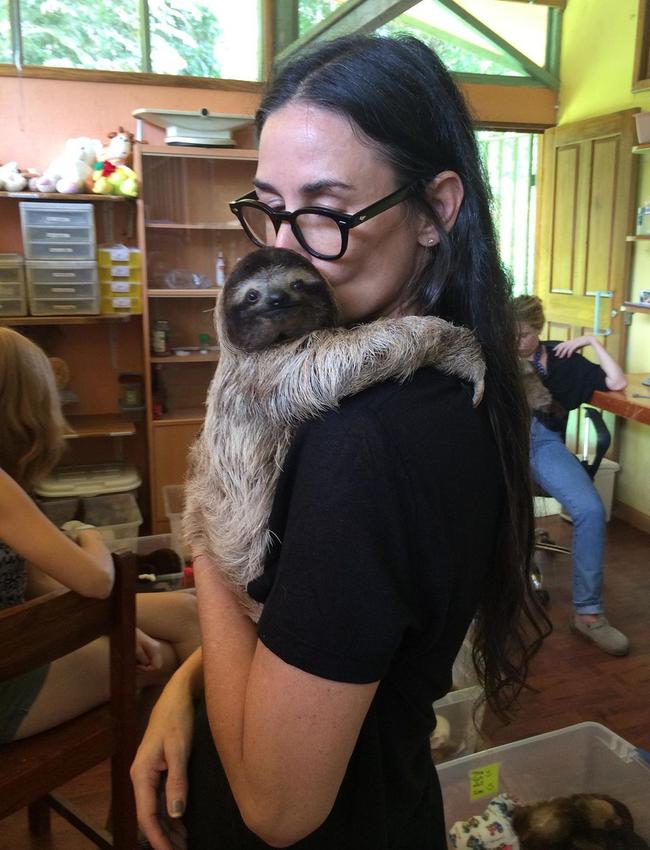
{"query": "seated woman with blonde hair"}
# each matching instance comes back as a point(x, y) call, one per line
point(36, 557)
point(570, 380)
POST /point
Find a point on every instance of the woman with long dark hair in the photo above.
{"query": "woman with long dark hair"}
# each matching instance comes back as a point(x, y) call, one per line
point(402, 517)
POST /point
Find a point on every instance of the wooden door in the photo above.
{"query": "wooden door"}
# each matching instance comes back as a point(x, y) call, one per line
point(587, 207)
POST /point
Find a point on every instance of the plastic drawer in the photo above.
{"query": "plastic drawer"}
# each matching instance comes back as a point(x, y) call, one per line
point(13, 307)
point(58, 215)
point(12, 268)
point(59, 235)
point(583, 759)
point(118, 257)
point(47, 271)
point(54, 251)
point(40, 291)
point(64, 306)
point(117, 304)
point(12, 290)
point(109, 274)
point(124, 287)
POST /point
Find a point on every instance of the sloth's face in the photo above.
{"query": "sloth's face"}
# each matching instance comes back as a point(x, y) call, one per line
point(273, 296)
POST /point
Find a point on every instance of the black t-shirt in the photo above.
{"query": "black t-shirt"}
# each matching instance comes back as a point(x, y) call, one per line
point(385, 516)
point(571, 381)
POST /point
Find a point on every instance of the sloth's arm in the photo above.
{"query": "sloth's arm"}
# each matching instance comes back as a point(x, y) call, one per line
point(317, 373)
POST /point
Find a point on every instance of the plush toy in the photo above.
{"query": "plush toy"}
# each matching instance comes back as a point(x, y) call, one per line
point(110, 179)
point(119, 150)
point(11, 179)
point(71, 172)
point(491, 830)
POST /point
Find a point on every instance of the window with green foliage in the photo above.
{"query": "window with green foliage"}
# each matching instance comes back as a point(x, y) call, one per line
point(447, 28)
point(199, 38)
point(511, 163)
point(312, 12)
point(5, 34)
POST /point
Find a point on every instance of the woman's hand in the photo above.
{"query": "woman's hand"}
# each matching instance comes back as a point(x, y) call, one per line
point(566, 349)
point(148, 655)
point(166, 747)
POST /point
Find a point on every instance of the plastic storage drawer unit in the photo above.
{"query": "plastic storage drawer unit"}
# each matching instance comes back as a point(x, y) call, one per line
point(585, 758)
point(119, 263)
point(51, 280)
point(13, 300)
point(63, 231)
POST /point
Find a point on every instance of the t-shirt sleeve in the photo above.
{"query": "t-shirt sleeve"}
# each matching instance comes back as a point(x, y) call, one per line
point(341, 593)
point(589, 377)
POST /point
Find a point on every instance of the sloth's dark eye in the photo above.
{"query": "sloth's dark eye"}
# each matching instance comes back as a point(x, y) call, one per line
point(298, 284)
point(252, 296)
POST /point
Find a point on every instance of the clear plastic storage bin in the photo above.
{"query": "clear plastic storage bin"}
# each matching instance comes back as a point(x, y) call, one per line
point(457, 708)
point(13, 297)
point(585, 758)
point(58, 231)
point(116, 516)
point(143, 546)
point(91, 480)
point(174, 501)
point(59, 511)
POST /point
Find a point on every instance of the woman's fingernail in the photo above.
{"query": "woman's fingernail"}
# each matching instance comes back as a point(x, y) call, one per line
point(178, 807)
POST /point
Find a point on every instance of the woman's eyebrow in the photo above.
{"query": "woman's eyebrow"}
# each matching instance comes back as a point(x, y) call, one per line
point(313, 188)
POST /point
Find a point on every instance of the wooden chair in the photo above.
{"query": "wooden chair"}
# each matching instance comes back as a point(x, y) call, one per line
point(36, 633)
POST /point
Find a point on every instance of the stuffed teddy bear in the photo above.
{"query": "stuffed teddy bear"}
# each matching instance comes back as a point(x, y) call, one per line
point(110, 179)
point(11, 179)
point(71, 172)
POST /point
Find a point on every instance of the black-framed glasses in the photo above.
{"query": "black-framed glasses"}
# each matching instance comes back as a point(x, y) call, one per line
point(322, 233)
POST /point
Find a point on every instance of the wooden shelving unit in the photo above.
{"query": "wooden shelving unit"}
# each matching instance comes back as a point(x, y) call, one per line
point(188, 223)
point(99, 425)
point(635, 307)
point(183, 293)
point(179, 359)
point(57, 196)
point(17, 321)
point(221, 225)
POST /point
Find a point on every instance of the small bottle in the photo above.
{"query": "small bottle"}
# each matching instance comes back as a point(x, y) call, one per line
point(220, 270)
point(160, 333)
point(204, 341)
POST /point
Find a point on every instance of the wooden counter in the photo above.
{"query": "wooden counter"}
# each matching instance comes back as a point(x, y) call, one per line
point(623, 403)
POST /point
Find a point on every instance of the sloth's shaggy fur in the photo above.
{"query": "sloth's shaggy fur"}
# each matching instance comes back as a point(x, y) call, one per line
point(258, 398)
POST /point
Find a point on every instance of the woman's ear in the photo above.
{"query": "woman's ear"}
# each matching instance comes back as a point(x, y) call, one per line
point(445, 194)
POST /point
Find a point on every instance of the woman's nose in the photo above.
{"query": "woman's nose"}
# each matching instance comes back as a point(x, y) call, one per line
point(285, 238)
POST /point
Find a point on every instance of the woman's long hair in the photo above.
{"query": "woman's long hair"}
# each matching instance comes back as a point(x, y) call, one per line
point(400, 96)
point(31, 424)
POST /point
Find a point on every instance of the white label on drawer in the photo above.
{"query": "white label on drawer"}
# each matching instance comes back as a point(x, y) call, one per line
point(64, 274)
point(121, 303)
point(60, 290)
point(65, 308)
point(58, 219)
point(120, 286)
point(54, 250)
point(120, 254)
point(58, 235)
point(120, 271)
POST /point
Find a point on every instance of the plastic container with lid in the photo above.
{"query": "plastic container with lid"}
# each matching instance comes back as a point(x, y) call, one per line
point(457, 709)
point(174, 502)
point(91, 480)
point(116, 515)
point(585, 758)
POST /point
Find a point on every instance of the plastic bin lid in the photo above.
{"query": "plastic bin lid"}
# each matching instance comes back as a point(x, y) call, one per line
point(89, 480)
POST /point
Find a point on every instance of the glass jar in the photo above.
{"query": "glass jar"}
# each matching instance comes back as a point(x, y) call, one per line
point(160, 334)
point(131, 390)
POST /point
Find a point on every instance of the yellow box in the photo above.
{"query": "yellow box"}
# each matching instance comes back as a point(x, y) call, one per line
point(121, 288)
point(118, 255)
point(123, 304)
point(118, 272)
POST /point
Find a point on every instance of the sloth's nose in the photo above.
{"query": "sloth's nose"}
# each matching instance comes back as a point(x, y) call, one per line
point(278, 298)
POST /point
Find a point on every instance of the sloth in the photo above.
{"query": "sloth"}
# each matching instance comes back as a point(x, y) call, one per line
point(284, 359)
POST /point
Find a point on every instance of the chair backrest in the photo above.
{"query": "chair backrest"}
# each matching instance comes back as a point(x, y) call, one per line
point(46, 628)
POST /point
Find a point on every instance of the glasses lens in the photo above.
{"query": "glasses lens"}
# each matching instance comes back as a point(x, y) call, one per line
point(259, 224)
point(321, 233)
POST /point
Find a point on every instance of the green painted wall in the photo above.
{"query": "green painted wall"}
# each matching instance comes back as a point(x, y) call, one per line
point(598, 41)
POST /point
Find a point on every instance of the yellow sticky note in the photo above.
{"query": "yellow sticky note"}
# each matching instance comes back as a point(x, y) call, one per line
point(484, 781)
